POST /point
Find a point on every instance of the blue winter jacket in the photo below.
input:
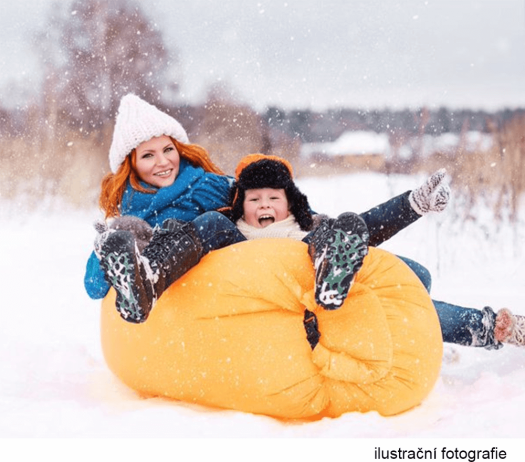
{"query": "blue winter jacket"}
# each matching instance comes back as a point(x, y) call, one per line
point(193, 193)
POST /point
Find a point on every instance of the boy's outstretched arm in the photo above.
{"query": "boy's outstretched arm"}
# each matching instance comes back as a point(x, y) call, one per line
point(390, 217)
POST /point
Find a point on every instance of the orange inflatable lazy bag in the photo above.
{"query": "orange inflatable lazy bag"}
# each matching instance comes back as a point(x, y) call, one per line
point(230, 334)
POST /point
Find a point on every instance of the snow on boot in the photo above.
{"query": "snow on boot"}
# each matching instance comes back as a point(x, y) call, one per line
point(140, 229)
point(173, 250)
point(337, 249)
point(130, 274)
point(510, 328)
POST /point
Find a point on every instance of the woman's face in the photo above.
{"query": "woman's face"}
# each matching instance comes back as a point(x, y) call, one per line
point(265, 206)
point(157, 161)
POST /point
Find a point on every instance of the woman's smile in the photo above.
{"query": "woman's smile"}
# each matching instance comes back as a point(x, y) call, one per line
point(164, 173)
point(157, 161)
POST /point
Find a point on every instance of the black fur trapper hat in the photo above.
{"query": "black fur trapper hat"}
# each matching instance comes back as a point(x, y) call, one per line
point(261, 171)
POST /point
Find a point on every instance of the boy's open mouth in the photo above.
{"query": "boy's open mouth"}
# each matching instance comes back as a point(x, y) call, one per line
point(265, 220)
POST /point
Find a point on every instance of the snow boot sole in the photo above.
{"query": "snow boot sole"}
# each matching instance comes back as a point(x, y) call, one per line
point(337, 249)
point(121, 268)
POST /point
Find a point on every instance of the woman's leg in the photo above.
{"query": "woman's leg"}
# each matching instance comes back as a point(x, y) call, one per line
point(421, 272)
point(460, 325)
point(467, 326)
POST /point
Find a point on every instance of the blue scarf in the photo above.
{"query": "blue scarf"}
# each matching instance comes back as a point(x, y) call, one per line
point(192, 193)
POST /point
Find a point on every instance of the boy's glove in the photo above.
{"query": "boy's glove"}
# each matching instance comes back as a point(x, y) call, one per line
point(432, 196)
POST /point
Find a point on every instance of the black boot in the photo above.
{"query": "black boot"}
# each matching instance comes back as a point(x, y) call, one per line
point(130, 275)
point(337, 248)
point(173, 251)
point(140, 279)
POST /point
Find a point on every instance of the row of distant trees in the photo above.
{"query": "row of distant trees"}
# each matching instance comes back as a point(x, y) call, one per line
point(93, 52)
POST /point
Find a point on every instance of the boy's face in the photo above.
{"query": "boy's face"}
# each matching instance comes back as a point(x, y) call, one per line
point(265, 206)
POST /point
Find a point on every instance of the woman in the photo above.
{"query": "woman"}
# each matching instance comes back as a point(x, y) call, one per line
point(149, 152)
point(157, 175)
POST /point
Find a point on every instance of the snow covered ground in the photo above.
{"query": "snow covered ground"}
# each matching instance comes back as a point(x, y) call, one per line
point(54, 382)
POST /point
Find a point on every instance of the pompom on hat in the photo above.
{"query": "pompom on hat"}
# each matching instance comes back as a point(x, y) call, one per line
point(257, 171)
point(138, 121)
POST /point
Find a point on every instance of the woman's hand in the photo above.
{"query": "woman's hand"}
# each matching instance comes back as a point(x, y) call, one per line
point(141, 230)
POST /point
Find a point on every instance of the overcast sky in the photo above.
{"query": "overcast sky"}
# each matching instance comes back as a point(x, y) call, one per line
point(320, 53)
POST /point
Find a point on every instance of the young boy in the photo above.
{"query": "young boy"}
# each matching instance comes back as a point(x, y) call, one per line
point(267, 203)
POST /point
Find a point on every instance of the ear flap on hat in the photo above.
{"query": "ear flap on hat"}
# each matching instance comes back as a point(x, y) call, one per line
point(237, 202)
point(229, 211)
point(300, 208)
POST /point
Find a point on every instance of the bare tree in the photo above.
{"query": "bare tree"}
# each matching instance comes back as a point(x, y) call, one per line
point(229, 129)
point(101, 50)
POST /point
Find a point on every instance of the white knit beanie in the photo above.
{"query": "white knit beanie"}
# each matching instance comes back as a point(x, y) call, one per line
point(138, 121)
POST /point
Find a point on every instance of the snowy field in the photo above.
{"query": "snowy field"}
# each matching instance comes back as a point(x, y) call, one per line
point(54, 382)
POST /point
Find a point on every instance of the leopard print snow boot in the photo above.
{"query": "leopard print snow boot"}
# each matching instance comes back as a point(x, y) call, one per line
point(130, 274)
point(337, 248)
point(141, 278)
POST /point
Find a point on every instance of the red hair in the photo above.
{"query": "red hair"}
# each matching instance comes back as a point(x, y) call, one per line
point(114, 184)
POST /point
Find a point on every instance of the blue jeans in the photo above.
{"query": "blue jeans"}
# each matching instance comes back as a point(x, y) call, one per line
point(459, 325)
point(215, 231)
